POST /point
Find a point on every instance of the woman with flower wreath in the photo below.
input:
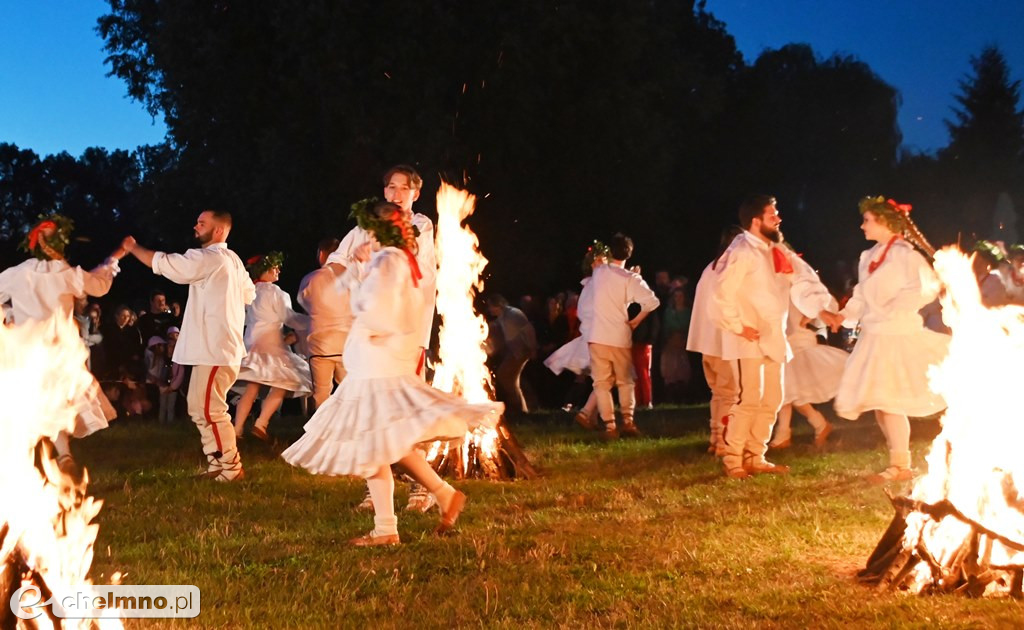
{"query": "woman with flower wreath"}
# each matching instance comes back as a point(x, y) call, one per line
point(269, 362)
point(46, 286)
point(887, 371)
point(575, 355)
point(383, 410)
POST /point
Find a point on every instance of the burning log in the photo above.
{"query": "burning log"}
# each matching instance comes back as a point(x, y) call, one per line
point(470, 459)
point(961, 530)
point(462, 369)
point(968, 568)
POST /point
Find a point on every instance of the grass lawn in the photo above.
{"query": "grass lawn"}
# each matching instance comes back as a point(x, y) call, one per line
point(639, 533)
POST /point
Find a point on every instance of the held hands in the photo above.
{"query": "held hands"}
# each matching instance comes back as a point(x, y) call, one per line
point(124, 248)
point(127, 245)
point(750, 334)
point(834, 321)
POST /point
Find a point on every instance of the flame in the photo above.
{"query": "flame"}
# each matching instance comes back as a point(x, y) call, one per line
point(975, 462)
point(47, 513)
point(461, 368)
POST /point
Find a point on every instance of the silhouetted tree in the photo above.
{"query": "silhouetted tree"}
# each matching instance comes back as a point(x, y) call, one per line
point(983, 158)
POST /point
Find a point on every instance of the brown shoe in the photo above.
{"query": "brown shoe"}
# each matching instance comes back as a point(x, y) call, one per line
point(229, 474)
point(585, 421)
point(259, 434)
point(629, 430)
point(449, 516)
point(737, 473)
point(778, 446)
point(819, 439)
point(610, 434)
point(766, 468)
point(370, 540)
point(892, 473)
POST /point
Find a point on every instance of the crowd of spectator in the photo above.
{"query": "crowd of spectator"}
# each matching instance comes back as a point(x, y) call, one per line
point(130, 354)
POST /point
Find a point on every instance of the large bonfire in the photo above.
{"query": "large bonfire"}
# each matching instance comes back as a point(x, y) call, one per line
point(962, 527)
point(461, 368)
point(46, 528)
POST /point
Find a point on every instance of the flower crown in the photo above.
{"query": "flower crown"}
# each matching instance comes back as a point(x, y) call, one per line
point(594, 250)
point(990, 251)
point(48, 237)
point(259, 265)
point(893, 215)
point(394, 232)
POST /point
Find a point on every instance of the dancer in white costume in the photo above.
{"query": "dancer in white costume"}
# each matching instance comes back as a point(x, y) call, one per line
point(211, 332)
point(402, 186)
point(330, 317)
point(812, 375)
point(575, 355)
point(751, 304)
point(382, 410)
point(46, 286)
point(705, 337)
point(268, 360)
point(887, 371)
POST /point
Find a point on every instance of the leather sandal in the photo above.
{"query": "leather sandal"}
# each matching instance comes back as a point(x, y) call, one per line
point(892, 473)
point(372, 540)
point(449, 516)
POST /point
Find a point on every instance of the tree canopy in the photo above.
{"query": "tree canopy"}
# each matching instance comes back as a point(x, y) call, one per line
point(570, 120)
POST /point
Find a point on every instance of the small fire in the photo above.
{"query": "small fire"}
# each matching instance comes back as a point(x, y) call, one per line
point(46, 528)
point(965, 516)
point(461, 368)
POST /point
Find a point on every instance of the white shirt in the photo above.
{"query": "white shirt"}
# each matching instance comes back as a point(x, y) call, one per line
point(888, 300)
point(264, 318)
point(425, 258)
point(219, 289)
point(39, 288)
point(614, 289)
point(326, 298)
point(751, 293)
point(705, 336)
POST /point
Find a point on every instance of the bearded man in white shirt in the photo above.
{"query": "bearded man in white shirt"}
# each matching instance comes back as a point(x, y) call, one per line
point(751, 304)
point(610, 337)
point(211, 332)
point(326, 299)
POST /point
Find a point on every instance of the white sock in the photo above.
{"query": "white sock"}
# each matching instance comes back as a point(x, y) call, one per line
point(382, 493)
point(444, 494)
point(385, 525)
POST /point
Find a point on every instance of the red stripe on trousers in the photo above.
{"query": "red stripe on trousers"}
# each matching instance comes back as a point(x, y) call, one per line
point(206, 409)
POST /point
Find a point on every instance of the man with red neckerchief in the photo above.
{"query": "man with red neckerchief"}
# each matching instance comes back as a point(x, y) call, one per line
point(751, 302)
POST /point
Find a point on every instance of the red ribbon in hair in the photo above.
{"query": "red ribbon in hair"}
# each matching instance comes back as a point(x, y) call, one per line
point(414, 267)
point(33, 236)
point(254, 260)
point(782, 264)
point(875, 264)
point(899, 207)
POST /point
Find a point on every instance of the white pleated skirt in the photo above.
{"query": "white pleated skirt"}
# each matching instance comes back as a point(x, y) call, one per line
point(373, 422)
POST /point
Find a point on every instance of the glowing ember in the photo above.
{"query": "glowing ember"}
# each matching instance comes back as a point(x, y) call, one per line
point(462, 368)
point(46, 529)
point(965, 517)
